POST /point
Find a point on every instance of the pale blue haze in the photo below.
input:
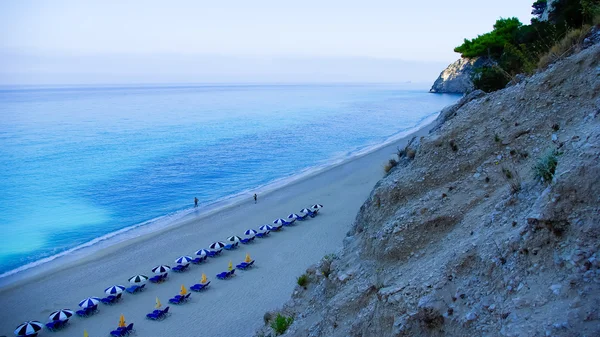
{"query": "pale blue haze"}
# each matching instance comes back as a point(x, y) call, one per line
point(152, 41)
point(78, 163)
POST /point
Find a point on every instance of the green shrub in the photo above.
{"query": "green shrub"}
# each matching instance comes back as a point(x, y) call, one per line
point(546, 166)
point(489, 79)
point(491, 44)
point(281, 323)
point(302, 280)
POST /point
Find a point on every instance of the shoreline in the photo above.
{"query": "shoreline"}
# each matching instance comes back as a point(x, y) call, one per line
point(342, 188)
point(183, 216)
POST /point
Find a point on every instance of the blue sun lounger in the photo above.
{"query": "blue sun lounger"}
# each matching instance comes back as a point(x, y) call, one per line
point(159, 278)
point(245, 265)
point(122, 331)
point(111, 299)
point(225, 275)
point(262, 235)
point(178, 299)
point(199, 286)
point(87, 311)
point(158, 314)
point(180, 268)
point(135, 288)
point(56, 325)
point(199, 259)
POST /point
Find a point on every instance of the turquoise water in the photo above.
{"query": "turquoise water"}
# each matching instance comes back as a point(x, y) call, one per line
point(79, 163)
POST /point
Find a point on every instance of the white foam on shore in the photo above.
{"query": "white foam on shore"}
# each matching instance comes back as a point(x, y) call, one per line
point(179, 217)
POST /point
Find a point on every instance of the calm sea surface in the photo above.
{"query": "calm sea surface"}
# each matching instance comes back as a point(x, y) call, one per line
point(79, 163)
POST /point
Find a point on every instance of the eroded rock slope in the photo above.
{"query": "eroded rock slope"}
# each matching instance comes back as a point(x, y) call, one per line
point(464, 239)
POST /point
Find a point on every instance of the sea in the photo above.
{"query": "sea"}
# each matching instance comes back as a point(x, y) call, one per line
point(80, 165)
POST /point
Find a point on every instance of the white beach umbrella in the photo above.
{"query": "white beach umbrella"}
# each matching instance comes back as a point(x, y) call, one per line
point(280, 222)
point(305, 211)
point(28, 328)
point(138, 279)
point(114, 290)
point(317, 206)
point(183, 260)
point(250, 232)
point(265, 228)
point(202, 252)
point(293, 216)
point(158, 270)
point(89, 302)
point(234, 239)
point(217, 245)
point(60, 315)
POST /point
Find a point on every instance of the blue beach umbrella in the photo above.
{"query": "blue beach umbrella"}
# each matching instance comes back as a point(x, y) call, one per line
point(183, 260)
point(281, 222)
point(293, 216)
point(306, 211)
point(250, 232)
point(158, 270)
point(234, 239)
point(60, 315)
point(138, 279)
point(265, 228)
point(114, 290)
point(89, 302)
point(202, 252)
point(317, 206)
point(28, 328)
point(217, 245)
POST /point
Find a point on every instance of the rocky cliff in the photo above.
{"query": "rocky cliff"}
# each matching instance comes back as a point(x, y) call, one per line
point(457, 77)
point(466, 238)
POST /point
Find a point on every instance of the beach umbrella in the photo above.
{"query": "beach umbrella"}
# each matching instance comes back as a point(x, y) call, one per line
point(60, 315)
point(183, 291)
point(217, 245)
point(89, 302)
point(202, 252)
point(183, 260)
point(265, 228)
point(316, 206)
point(250, 232)
point(306, 211)
point(114, 290)
point(234, 239)
point(203, 280)
point(161, 269)
point(85, 334)
point(280, 222)
point(122, 323)
point(28, 328)
point(138, 279)
point(247, 259)
point(158, 305)
point(230, 266)
point(293, 216)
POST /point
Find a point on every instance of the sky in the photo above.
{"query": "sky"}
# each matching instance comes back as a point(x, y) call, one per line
point(66, 41)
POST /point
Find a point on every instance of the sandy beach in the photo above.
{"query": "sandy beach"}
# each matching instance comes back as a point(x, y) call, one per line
point(233, 307)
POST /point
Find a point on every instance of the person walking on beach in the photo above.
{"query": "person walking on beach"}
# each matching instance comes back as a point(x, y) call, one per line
point(195, 202)
point(255, 198)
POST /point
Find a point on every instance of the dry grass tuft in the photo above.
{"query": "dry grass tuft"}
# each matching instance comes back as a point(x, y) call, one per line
point(568, 45)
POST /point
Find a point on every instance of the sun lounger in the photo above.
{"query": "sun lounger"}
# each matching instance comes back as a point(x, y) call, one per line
point(246, 241)
point(199, 259)
point(178, 299)
point(110, 299)
point(135, 288)
point(122, 331)
point(55, 325)
point(230, 247)
point(245, 265)
point(199, 286)
point(87, 311)
point(262, 235)
point(159, 278)
point(158, 314)
point(180, 268)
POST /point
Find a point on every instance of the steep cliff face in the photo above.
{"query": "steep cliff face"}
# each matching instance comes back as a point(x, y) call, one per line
point(465, 239)
point(457, 77)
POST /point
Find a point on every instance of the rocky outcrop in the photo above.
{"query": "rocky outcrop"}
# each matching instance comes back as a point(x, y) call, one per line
point(465, 239)
point(457, 77)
